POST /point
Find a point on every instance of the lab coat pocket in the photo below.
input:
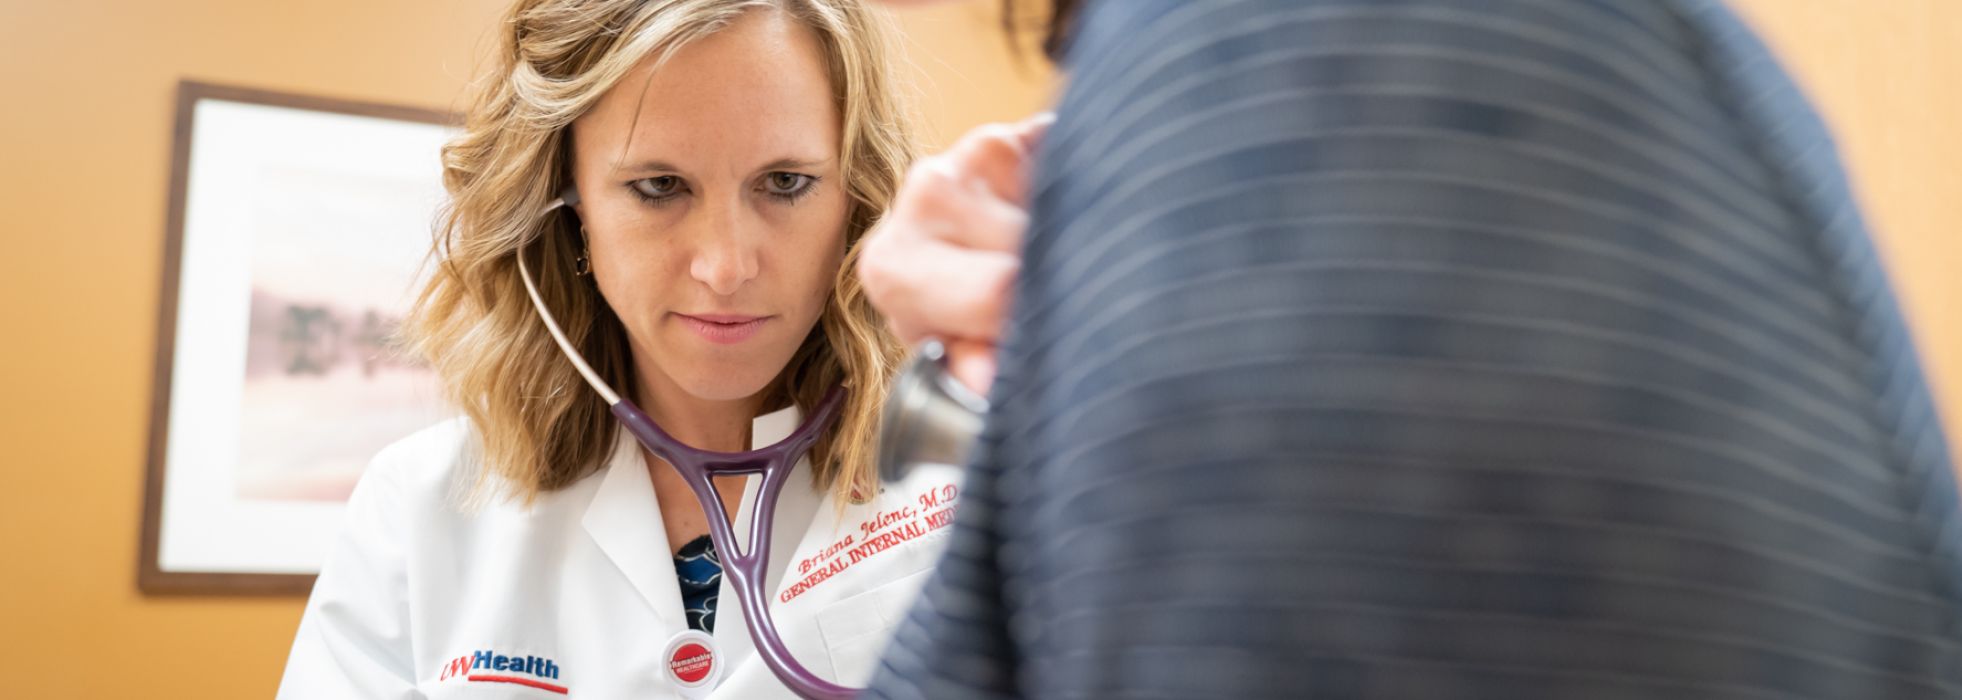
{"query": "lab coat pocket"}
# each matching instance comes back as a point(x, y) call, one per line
point(856, 629)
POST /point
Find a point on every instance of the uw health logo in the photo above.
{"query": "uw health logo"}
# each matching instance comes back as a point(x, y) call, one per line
point(490, 667)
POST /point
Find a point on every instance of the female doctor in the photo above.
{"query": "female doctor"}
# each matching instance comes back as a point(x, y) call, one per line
point(725, 157)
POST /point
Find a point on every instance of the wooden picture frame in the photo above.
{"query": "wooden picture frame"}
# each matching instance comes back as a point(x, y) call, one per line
point(258, 177)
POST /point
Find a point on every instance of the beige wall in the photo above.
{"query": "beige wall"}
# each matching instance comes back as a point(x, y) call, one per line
point(1888, 76)
point(84, 153)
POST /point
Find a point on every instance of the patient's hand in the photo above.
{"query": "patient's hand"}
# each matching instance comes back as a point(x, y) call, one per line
point(943, 260)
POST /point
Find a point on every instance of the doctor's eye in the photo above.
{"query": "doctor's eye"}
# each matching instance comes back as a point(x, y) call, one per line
point(657, 190)
point(788, 186)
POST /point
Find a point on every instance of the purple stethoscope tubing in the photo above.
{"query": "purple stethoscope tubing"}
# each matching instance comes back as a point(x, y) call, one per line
point(747, 567)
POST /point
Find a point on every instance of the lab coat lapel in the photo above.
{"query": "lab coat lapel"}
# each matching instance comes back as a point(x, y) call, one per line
point(624, 519)
point(795, 508)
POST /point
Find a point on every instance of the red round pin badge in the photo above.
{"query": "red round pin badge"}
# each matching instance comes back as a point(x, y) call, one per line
point(691, 661)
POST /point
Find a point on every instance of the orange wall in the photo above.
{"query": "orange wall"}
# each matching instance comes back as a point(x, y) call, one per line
point(83, 167)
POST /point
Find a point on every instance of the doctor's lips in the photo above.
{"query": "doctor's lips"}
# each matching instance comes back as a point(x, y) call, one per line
point(723, 328)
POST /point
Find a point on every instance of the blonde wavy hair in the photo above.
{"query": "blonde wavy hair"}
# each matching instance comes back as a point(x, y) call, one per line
point(539, 427)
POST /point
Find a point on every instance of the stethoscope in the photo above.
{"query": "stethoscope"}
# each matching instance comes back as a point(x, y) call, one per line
point(928, 418)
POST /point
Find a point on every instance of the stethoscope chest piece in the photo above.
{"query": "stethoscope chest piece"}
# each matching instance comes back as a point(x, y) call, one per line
point(930, 417)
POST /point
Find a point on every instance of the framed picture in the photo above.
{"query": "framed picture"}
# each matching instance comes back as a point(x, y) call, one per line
point(297, 227)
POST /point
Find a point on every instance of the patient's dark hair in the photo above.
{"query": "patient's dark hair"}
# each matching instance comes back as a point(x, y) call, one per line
point(1054, 17)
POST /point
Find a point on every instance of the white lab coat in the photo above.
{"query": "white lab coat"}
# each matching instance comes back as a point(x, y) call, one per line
point(578, 593)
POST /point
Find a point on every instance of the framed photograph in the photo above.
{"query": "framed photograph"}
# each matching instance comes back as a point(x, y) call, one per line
point(297, 229)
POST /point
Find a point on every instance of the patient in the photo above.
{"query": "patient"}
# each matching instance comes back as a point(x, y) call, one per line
point(1431, 349)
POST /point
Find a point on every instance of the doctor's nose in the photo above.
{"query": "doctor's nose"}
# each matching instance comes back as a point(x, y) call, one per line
point(725, 254)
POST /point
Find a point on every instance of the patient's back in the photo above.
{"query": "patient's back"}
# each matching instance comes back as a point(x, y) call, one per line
point(1444, 349)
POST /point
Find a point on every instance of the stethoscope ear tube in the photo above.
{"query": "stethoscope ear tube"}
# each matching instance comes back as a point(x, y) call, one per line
point(929, 418)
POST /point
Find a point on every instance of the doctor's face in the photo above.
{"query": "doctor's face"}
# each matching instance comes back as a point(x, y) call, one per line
point(713, 205)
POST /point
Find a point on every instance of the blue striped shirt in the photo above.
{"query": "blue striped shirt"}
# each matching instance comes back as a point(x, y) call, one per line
point(1444, 349)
